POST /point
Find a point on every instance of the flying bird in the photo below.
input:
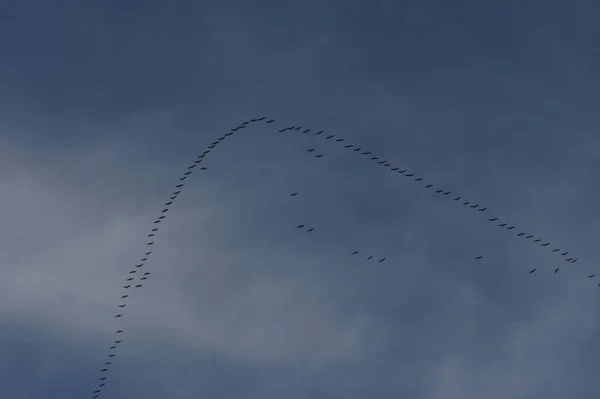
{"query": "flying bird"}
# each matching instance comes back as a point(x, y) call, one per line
point(119, 315)
point(349, 146)
point(270, 121)
point(147, 253)
point(446, 193)
point(318, 156)
point(466, 203)
point(183, 178)
point(482, 209)
point(439, 191)
point(300, 226)
point(203, 168)
point(537, 240)
point(532, 270)
point(329, 137)
point(370, 257)
point(310, 150)
point(591, 276)
point(339, 140)
point(306, 131)
point(556, 270)
point(511, 227)
point(564, 253)
point(479, 257)
point(293, 194)
point(556, 250)
point(311, 229)
point(150, 243)
point(409, 174)
point(429, 185)
point(381, 260)
point(127, 286)
point(545, 244)
point(122, 306)
point(529, 236)
point(179, 186)
point(119, 331)
point(319, 132)
point(418, 179)
point(502, 224)
point(492, 219)
point(474, 206)
point(354, 253)
point(124, 296)
point(138, 286)
point(111, 355)
point(520, 234)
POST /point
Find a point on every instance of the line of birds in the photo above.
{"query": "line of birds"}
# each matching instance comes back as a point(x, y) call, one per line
point(354, 148)
point(442, 192)
point(129, 282)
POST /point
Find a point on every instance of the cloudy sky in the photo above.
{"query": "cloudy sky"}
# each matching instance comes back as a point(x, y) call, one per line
point(103, 106)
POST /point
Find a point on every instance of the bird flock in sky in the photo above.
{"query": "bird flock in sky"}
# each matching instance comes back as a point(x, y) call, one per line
point(138, 270)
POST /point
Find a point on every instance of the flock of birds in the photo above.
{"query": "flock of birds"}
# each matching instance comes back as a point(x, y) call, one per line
point(137, 270)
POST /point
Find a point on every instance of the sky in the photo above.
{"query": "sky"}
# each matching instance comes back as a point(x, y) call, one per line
point(104, 105)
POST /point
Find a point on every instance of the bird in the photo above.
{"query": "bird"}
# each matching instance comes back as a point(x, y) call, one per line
point(156, 229)
point(502, 224)
point(556, 270)
point(310, 150)
point(479, 257)
point(474, 206)
point(349, 146)
point(122, 306)
point(188, 173)
point(564, 253)
point(147, 253)
point(439, 191)
point(150, 243)
point(144, 278)
point(111, 355)
point(204, 168)
point(446, 193)
point(318, 156)
point(418, 179)
point(374, 158)
point(130, 278)
point(545, 244)
point(339, 140)
point(119, 315)
point(103, 379)
point(574, 260)
point(482, 209)
point(329, 137)
point(179, 186)
point(532, 270)
point(270, 121)
point(429, 185)
point(161, 217)
point(118, 342)
point(357, 149)
point(402, 171)
point(300, 226)
point(354, 253)
point(381, 260)
point(113, 347)
point(520, 234)
point(293, 194)
point(370, 257)
point(511, 227)
point(127, 286)
point(151, 235)
point(591, 276)
point(556, 250)
point(164, 210)
point(298, 128)
point(492, 219)
point(124, 296)
point(537, 240)
point(119, 331)
point(366, 152)
point(146, 274)
point(529, 236)
point(133, 271)
point(139, 265)
point(306, 131)
point(319, 132)
point(466, 203)
point(409, 174)
point(311, 229)
point(457, 198)
point(156, 221)
point(394, 169)
point(138, 286)
point(182, 178)
point(172, 198)
point(568, 260)
point(192, 166)
point(381, 162)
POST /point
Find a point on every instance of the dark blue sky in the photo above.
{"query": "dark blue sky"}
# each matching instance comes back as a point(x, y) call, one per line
point(103, 105)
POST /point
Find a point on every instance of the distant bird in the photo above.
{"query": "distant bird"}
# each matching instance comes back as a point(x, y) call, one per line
point(511, 227)
point(311, 229)
point(381, 260)
point(564, 253)
point(310, 150)
point(418, 179)
point(147, 273)
point(147, 253)
point(161, 217)
point(329, 137)
point(502, 224)
point(381, 162)
point(568, 260)
point(429, 185)
point(293, 194)
point(339, 140)
point(124, 296)
point(394, 169)
point(591, 276)
point(482, 209)
point(127, 286)
point(492, 219)
point(119, 331)
point(138, 286)
point(150, 235)
point(374, 158)
point(113, 347)
point(479, 257)
point(556, 270)
point(466, 203)
point(357, 149)
point(370, 257)
point(270, 121)
point(156, 221)
point(520, 234)
point(144, 278)
point(537, 240)
point(118, 342)
point(122, 306)
point(545, 244)
point(474, 206)
point(319, 132)
point(204, 168)
point(318, 156)
point(532, 270)
point(529, 236)
point(156, 229)
point(457, 198)
point(349, 146)
point(439, 191)
point(111, 355)
point(150, 243)
point(183, 178)
point(366, 152)
point(574, 260)
point(300, 226)
point(354, 253)
point(188, 173)
point(447, 193)
point(119, 315)
point(556, 250)
point(306, 131)
point(409, 174)
point(133, 271)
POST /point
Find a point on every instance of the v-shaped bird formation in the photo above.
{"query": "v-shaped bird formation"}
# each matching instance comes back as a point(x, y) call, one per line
point(131, 284)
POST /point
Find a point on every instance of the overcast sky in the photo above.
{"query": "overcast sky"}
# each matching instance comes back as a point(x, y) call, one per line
point(104, 104)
